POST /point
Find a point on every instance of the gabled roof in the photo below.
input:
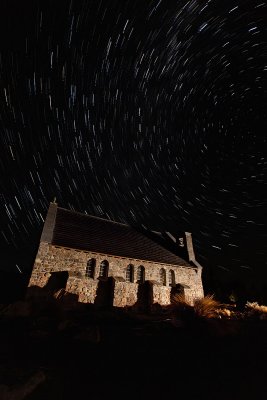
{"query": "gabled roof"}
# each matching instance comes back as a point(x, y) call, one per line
point(79, 231)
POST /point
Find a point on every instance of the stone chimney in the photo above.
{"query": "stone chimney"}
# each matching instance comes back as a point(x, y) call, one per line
point(48, 229)
point(189, 246)
point(185, 244)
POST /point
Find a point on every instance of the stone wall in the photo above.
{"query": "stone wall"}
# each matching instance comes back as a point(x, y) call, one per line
point(160, 294)
point(52, 259)
point(85, 288)
point(193, 294)
point(125, 294)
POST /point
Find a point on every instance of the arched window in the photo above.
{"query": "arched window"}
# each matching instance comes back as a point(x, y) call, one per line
point(103, 273)
point(162, 276)
point(130, 273)
point(90, 268)
point(171, 278)
point(140, 274)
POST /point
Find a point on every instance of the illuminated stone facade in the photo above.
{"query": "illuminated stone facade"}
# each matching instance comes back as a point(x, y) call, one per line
point(110, 280)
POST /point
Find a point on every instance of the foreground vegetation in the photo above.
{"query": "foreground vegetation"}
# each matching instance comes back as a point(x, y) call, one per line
point(209, 307)
point(53, 348)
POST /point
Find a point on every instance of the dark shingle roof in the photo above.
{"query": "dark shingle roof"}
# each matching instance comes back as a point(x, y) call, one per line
point(80, 231)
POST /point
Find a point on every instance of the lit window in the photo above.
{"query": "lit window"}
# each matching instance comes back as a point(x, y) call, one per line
point(140, 274)
point(130, 273)
point(90, 268)
point(103, 273)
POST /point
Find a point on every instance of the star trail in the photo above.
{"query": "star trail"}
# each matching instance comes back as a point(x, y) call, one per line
point(151, 113)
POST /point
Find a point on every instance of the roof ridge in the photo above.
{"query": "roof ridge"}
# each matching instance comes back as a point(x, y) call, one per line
point(93, 216)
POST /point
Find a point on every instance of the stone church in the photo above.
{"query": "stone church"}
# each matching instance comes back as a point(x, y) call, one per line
point(112, 264)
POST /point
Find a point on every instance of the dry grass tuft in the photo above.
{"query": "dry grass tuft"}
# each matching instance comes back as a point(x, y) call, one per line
point(224, 313)
point(255, 310)
point(207, 307)
point(59, 294)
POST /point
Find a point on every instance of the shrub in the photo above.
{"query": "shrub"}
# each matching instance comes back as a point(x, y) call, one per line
point(255, 310)
point(224, 313)
point(207, 307)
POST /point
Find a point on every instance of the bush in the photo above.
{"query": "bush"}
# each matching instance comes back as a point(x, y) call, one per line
point(255, 310)
point(207, 307)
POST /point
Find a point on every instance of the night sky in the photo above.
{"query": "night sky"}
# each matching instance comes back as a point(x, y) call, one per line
point(151, 113)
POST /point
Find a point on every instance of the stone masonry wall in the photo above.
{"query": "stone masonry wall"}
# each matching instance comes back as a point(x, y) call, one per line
point(125, 294)
point(161, 294)
point(52, 258)
point(85, 290)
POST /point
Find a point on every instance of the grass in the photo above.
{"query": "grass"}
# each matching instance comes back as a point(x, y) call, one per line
point(207, 307)
point(255, 310)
